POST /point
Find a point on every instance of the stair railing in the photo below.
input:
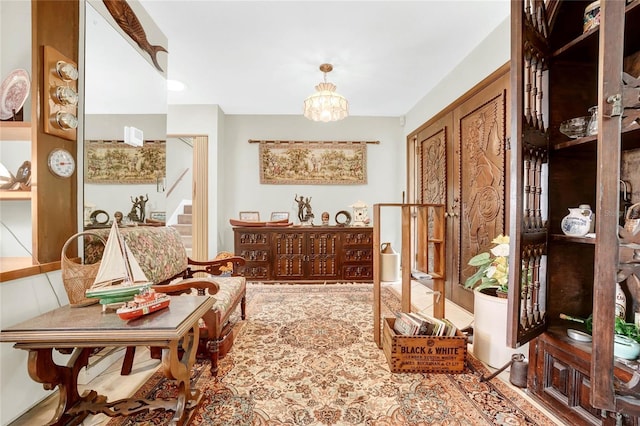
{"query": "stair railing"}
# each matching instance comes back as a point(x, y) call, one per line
point(184, 172)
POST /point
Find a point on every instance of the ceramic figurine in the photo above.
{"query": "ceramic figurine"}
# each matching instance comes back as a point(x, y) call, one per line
point(325, 218)
point(360, 214)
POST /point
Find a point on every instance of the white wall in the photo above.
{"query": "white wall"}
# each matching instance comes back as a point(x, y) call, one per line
point(22, 299)
point(179, 159)
point(240, 178)
point(490, 54)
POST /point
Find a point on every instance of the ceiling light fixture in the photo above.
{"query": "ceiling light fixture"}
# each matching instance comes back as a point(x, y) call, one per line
point(326, 105)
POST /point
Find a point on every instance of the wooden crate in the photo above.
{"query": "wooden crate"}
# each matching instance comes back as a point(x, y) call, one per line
point(423, 354)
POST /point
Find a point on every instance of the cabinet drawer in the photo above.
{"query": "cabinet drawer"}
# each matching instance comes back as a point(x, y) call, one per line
point(357, 272)
point(583, 393)
point(257, 270)
point(253, 254)
point(252, 238)
point(557, 378)
point(357, 255)
point(357, 237)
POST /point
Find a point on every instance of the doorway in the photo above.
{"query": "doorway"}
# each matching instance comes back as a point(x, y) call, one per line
point(187, 189)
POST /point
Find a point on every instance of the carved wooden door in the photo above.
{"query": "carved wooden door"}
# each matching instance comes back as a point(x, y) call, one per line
point(530, 155)
point(433, 159)
point(289, 251)
point(479, 188)
point(459, 159)
point(322, 255)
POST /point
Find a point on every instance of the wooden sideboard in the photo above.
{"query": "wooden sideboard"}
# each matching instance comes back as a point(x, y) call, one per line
point(306, 254)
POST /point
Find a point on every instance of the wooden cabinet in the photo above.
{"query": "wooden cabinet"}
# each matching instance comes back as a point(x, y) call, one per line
point(563, 382)
point(559, 71)
point(305, 255)
point(311, 254)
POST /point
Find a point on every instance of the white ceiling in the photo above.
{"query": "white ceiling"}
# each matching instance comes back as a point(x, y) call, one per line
point(263, 57)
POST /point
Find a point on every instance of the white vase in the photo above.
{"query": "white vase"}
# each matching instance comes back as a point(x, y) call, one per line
point(490, 331)
point(621, 302)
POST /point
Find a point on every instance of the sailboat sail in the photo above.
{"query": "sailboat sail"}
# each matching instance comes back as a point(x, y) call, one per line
point(118, 264)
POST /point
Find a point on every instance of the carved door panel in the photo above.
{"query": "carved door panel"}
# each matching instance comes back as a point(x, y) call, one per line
point(323, 257)
point(433, 161)
point(289, 250)
point(480, 181)
point(459, 159)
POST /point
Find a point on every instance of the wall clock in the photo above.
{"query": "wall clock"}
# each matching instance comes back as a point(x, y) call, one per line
point(61, 163)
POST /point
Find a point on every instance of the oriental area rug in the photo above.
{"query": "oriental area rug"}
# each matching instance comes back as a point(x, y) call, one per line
point(305, 356)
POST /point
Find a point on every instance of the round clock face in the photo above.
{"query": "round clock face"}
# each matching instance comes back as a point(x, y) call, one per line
point(61, 163)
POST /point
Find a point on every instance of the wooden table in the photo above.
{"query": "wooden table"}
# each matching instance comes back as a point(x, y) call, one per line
point(83, 329)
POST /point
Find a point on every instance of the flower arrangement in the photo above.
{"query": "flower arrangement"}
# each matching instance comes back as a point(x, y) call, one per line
point(492, 271)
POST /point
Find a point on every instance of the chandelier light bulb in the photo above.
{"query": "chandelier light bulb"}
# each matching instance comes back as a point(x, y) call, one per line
point(325, 104)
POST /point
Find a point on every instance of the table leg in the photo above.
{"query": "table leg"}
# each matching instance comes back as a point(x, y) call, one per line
point(43, 370)
point(73, 408)
point(179, 369)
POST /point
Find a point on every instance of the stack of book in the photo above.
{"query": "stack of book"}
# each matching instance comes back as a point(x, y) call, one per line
point(420, 324)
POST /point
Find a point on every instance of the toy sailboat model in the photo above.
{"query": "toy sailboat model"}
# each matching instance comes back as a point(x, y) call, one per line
point(120, 276)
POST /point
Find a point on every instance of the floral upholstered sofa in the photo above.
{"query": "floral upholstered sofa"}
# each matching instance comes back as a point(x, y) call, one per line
point(163, 258)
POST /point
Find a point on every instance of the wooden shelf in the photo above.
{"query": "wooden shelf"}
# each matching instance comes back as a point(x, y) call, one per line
point(428, 226)
point(15, 195)
point(15, 131)
point(12, 268)
point(570, 239)
point(558, 332)
point(630, 140)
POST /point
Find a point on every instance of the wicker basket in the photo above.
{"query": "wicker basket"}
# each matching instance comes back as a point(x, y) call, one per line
point(632, 225)
point(78, 277)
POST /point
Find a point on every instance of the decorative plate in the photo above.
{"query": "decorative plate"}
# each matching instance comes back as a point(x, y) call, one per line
point(578, 335)
point(13, 93)
point(575, 226)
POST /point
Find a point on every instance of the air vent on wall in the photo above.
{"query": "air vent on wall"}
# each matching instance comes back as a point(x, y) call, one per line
point(133, 136)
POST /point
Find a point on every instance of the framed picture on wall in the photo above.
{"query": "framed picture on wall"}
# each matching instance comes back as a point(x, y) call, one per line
point(277, 216)
point(313, 162)
point(113, 161)
point(250, 216)
point(160, 216)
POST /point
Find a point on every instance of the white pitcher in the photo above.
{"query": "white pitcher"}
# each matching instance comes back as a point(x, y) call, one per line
point(578, 222)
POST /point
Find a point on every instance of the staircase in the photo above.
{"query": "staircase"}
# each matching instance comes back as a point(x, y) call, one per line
point(184, 227)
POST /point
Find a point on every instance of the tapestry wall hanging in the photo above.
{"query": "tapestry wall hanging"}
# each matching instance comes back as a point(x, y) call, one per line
point(111, 161)
point(313, 163)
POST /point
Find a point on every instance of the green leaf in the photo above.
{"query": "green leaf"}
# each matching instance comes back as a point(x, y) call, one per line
point(480, 259)
point(487, 283)
point(479, 275)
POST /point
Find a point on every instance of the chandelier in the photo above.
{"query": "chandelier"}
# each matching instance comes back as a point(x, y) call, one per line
point(325, 104)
